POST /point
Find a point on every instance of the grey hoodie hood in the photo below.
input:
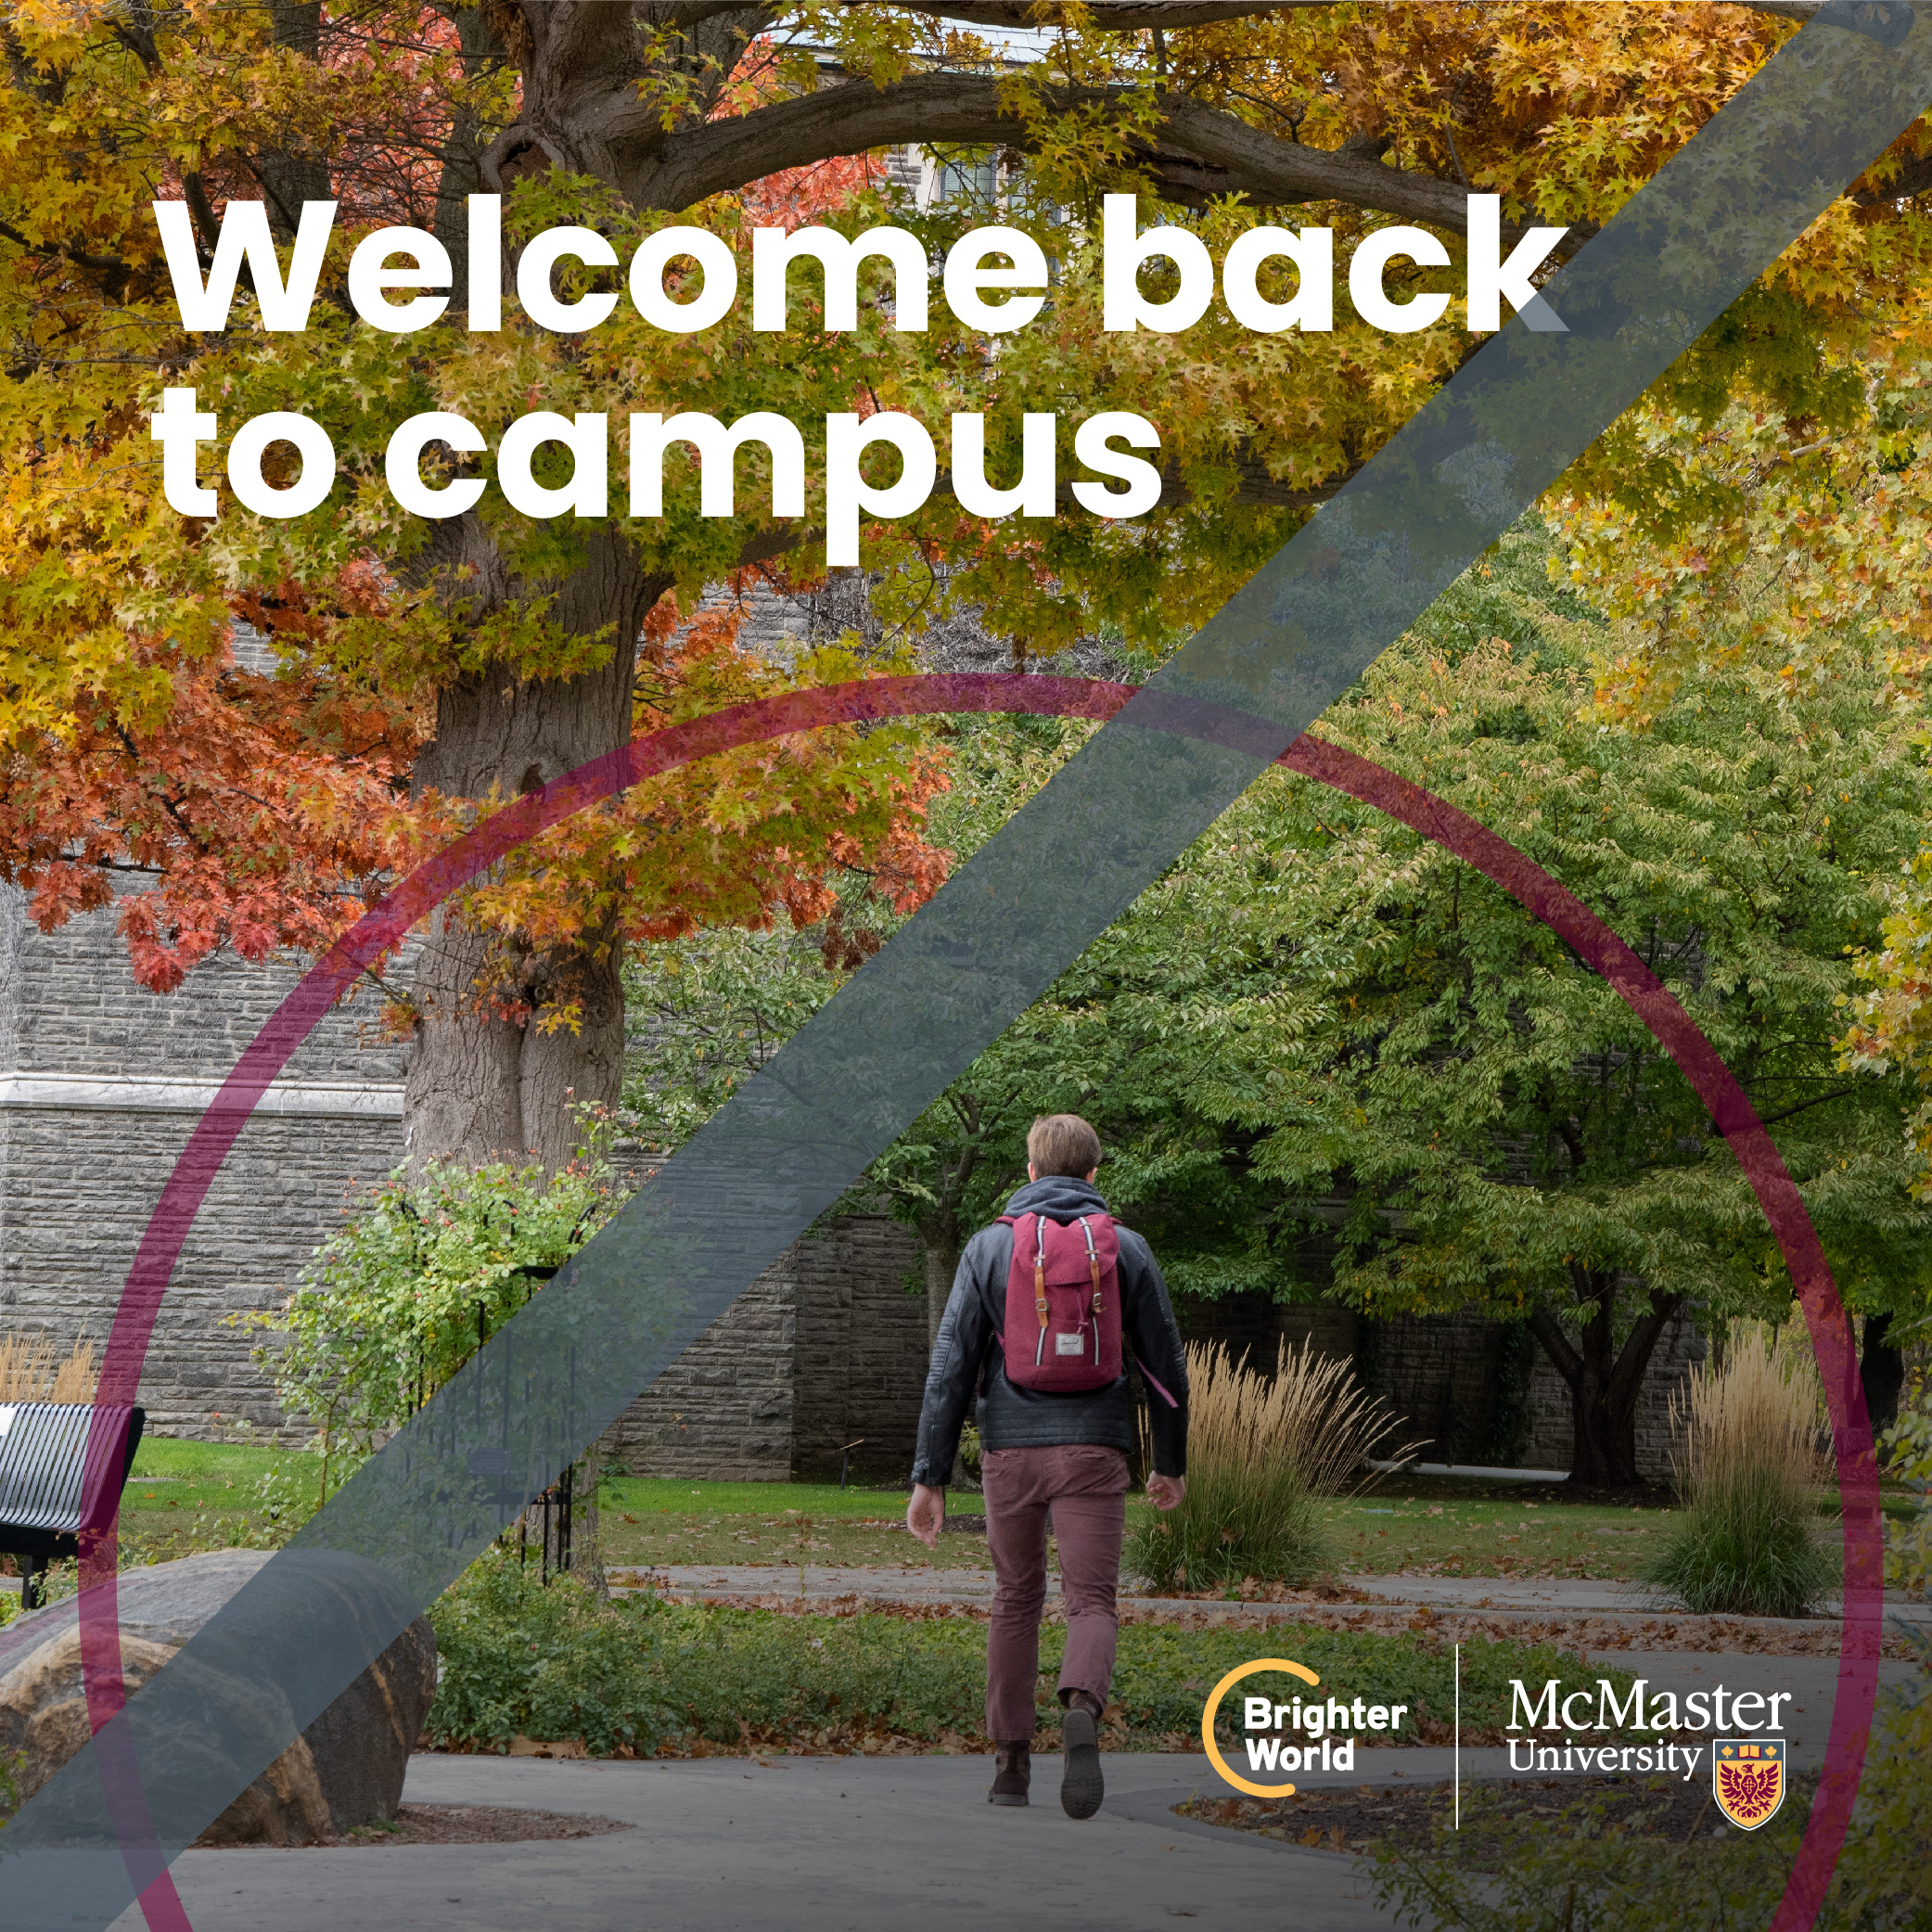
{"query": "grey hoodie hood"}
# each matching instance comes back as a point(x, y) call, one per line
point(1062, 1198)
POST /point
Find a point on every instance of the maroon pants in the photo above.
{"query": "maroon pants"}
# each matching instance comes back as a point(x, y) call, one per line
point(1085, 1488)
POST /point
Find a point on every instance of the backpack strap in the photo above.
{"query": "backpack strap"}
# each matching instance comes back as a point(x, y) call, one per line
point(1092, 1269)
point(1040, 1285)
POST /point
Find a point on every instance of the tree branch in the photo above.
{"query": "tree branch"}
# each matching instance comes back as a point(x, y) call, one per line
point(1633, 1358)
point(1816, 1100)
point(1202, 152)
point(1118, 18)
point(1564, 1359)
point(1912, 179)
point(113, 272)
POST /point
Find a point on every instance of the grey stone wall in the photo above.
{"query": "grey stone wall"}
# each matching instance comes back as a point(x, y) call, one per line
point(79, 1185)
point(100, 1086)
point(722, 1410)
point(826, 1348)
point(1447, 1377)
point(1255, 1327)
point(862, 1352)
point(1451, 1377)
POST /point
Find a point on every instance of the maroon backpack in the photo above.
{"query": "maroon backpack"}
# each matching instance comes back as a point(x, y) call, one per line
point(1063, 1304)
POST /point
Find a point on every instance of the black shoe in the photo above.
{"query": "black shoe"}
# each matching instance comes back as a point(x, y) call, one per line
point(1081, 1787)
point(1013, 1772)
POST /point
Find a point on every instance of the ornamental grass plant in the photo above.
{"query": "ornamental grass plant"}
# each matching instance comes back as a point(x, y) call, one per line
point(31, 1372)
point(1261, 1453)
point(1747, 1428)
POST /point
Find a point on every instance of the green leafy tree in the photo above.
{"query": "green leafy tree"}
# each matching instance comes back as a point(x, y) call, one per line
point(1328, 1058)
point(1489, 1126)
point(1798, 541)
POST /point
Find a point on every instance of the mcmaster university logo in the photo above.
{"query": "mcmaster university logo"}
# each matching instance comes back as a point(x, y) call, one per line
point(1747, 1778)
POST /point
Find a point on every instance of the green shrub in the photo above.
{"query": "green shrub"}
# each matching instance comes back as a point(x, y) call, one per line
point(517, 1659)
point(727, 1672)
point(557, 1664)
point(1745, 1549)
point(1747, 1545)
point(1235, 1522)
point(1909, 1555)
point(1884, 1879)
point(388, 1309)
point(1261, 1454)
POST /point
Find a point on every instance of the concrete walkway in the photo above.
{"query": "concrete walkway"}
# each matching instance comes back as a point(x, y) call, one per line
point(1569, 1596)
point(783, 1844)
point(871, 1843)
point(875, 1844)
point(800, 1844)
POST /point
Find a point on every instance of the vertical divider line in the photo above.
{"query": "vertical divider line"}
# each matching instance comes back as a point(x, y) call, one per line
point(1456, 1754)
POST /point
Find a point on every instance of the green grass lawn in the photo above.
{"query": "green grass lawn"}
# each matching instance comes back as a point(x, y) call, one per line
point(648, 1520)
point(194, 1494)
point(732, 1523)
point(186, 1496)
point(223, 1462)
point(1479, 1537)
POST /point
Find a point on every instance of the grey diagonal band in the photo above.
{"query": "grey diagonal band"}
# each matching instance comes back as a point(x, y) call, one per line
point(1148, 785)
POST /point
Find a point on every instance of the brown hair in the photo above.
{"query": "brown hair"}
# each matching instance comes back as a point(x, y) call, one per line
point(1063, 1144)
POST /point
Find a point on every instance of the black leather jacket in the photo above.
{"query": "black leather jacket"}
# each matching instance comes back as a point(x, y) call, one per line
point(968, 1359)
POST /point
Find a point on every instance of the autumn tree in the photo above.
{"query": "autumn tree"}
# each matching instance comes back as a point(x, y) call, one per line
point(425, 669)
point(709, 1010)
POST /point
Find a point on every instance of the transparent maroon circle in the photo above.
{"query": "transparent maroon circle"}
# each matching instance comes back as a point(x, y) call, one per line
point(870, 699)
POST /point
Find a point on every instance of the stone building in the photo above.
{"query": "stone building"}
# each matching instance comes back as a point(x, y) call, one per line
point(101, 1083)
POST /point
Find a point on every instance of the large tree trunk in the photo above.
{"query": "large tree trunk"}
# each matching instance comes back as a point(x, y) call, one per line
point(1881, 1370)
point(485, 1080)
point(1603, 1381)
point(940, 1240)
point(462, 174)
point(941, 1235)
point(941, 1258)
point(290, 177)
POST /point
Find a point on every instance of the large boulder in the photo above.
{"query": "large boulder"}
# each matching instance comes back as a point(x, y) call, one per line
point(345, 1770)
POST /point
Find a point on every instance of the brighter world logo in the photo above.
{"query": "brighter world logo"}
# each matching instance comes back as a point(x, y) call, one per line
point(1324, 1730)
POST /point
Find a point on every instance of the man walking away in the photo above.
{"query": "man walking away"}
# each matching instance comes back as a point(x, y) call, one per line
point(1040, 1310)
